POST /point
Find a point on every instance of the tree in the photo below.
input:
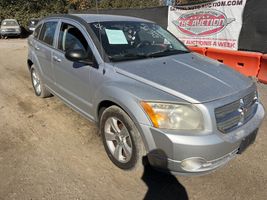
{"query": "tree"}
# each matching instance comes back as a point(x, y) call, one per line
point(81, 4)
point(24, 10)
point(128, 3)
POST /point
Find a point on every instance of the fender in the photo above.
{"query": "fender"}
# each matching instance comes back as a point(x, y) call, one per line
point(127, 101)
point(130, 104)
point(33, 58)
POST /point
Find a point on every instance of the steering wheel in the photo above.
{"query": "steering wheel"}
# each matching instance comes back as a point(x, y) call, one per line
point(143, 43)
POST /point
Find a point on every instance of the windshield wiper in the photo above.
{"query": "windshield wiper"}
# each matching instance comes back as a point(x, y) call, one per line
point(128, 56)
point(166, 52)
point(135, 56)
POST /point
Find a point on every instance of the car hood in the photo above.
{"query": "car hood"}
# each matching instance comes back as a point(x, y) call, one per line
point(190, 76)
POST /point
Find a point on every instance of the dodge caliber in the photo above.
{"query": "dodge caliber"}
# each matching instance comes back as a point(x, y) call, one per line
point(149, 94)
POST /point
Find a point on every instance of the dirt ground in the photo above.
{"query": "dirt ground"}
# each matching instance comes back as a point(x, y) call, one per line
point(47, 151)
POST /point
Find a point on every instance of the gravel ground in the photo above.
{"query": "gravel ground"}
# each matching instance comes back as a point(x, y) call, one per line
point(47, 151)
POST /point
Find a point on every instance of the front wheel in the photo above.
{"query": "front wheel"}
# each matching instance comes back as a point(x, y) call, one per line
point(121, 138)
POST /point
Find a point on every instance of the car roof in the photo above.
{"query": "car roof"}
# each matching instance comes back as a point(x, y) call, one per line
point(9, 20)
point(90, 18)
point(85, 19)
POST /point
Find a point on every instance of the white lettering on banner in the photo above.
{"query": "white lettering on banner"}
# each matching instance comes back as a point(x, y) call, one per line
point(216, 24)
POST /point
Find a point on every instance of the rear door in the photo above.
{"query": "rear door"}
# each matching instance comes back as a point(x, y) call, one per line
point(73, 79)
point(43, 49)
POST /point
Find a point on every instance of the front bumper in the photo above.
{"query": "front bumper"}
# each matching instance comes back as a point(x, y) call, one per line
point(10, 33)
point(169, 150)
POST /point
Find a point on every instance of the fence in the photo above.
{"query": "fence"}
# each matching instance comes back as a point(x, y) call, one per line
point(247, 63)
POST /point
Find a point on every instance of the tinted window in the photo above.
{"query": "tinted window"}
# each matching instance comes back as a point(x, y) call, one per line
point(37, 31)
point(71, 38)
point(48, 32)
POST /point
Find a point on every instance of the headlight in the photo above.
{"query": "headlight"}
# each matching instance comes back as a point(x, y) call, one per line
point(174, 116)
point(17, 30)
point(3, 30)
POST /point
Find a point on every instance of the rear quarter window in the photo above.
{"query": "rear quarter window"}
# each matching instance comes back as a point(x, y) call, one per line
point(48, 33)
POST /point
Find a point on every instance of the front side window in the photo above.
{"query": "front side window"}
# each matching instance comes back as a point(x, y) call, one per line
point(48, 32)
point(127, 40)
point(71, 38)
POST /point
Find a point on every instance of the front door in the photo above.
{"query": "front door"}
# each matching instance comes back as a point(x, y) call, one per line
point(72, 78)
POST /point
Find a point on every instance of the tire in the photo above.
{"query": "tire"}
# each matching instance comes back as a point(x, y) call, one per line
point(38, 85)
point(121, 139)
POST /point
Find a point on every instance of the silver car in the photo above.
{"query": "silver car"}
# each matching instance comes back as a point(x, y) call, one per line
point(10, 27)
point(147, 92)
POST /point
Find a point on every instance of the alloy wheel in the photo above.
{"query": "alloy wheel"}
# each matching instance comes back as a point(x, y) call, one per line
point(118, 140)
point(36, 82)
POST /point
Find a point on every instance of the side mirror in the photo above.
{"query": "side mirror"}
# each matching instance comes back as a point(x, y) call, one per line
point(76, 55)
point(79, 55)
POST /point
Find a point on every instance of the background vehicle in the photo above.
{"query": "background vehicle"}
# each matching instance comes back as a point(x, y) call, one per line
point(10, 27)
point(32, 24)
point(146, 90)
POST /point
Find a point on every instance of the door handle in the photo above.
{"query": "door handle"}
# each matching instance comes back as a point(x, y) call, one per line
point(55, 58)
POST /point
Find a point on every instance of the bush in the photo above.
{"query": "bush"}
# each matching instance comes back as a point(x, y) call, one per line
point(23, 10)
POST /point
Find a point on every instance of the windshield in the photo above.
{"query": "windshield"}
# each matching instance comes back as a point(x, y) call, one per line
point(9, 23)
point(136, 40)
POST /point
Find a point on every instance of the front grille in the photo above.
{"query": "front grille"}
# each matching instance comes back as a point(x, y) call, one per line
point(10, 30)
point(237, 113)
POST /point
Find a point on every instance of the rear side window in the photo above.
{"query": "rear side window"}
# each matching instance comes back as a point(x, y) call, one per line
point(71, 38)
point(37, 31)
point(48, 32)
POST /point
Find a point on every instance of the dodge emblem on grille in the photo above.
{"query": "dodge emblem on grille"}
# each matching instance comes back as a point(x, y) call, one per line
point(242, 109)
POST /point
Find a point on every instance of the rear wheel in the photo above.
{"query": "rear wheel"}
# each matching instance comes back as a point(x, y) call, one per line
point(121, 138)
point(37, 83)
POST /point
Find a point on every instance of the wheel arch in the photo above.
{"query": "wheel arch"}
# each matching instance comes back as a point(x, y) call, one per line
point(29, 64)
point(33, 60)
point(104, 105)
point(108, 103)
point(131, 106)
